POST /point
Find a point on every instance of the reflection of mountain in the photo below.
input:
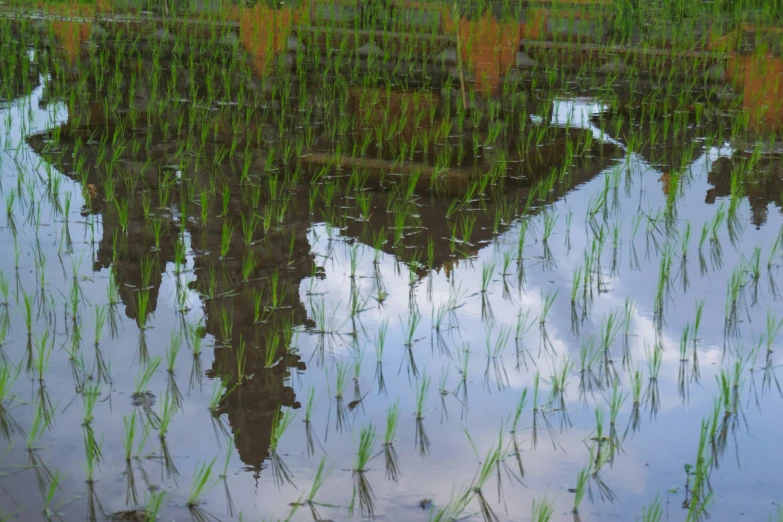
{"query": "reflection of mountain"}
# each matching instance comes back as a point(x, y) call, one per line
point(224, 178)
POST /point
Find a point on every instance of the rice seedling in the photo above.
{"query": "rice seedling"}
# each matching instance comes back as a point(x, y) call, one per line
point(154, 505)
point(489, 465)
point(579, 490)
point(130, 434)
point(8, 376)
point(39, 426)
point(421, 395)
point(364, 448)
point(409, 329)
point(549, 225)
point(145, 374)
point(700, 491)
point(202, 482)
point(341, 379)
point(93, 450)
point(321, 474)
point(172, 350)
point(167, 410)
point(547, 300)
point(28, 312)
point(542, 510)
point(380, 340)
point(653, 512)
point(90, 396)
point(487, 269)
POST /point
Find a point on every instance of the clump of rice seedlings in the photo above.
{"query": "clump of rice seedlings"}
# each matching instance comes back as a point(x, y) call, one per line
point(575, 283)
point(219, 390)
point(487, 269)
point(409, 329)
point(598, 456)
point(341, 379)
point(489, 466)
point(8, 376)
point(168, 408)
point(653, 512)
point(146, 373)
point(734, 288)
point(92, 450)
point(226, 318)
point(43, 352)
point(324, 324)
point(654, 360)
point(634, 422)
point(380, 340)
point(172, 350)
point(142, 305)
point(547, 300)
point(542, 510)
point(364, 449)
point(321, 474)
point(241, 362)
point(455, 508)
point(579, 491)
point(610, 328)
point(773, 327)
point(697, 319)
point(699, 488)
point(421, 395)
point(362, 488)
point(202, 482)
point(774, 252)
point(280, 422)
point(50, 510)
point(154, 505)
point(193, 335)
point(549, 225)
point(517, 414)
point(616, 401)
point(130, 434)
point(270, 350)
point(100, 321)
point(463, 359)
point(41, 423)
point(353, 258)
point(90, 396)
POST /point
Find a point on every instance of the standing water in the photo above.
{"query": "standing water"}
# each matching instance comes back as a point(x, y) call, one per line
point(354, 283)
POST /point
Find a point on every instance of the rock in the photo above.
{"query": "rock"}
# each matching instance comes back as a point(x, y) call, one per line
point(293, 44)
point(524, 61)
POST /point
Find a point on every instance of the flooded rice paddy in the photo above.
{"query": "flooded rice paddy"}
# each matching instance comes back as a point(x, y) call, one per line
point(343, 284)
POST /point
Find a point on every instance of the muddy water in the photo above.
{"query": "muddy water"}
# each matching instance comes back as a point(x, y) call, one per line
point(322, 289)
